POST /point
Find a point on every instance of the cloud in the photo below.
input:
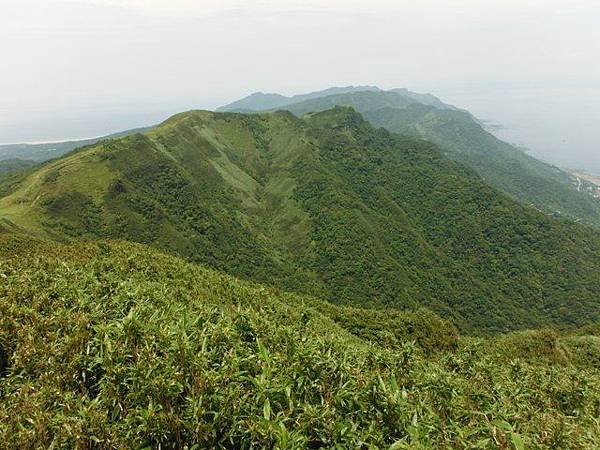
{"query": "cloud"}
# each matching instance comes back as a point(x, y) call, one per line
point(407, 6)
point(78, 54)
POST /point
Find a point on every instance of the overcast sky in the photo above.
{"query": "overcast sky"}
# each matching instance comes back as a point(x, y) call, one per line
point(75, 68)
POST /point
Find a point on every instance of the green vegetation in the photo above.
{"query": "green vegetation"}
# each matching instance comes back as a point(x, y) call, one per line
point(360, 101)
point(260, 101)
point(327, 206)
point(115, 345)
point(14, 165)
point(461, 137)
point(523, 177)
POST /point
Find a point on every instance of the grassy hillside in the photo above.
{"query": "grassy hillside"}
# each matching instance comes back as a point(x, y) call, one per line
point(327, 206)
point(462, 138)
point(115, 345)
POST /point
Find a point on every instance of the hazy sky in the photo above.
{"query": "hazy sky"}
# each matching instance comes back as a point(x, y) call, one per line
point(75, 68)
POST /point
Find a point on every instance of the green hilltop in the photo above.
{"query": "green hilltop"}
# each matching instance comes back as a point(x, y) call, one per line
point(327, 206)
point(460, 136)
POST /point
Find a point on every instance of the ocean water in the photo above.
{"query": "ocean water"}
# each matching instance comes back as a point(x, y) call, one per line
point(560, 125)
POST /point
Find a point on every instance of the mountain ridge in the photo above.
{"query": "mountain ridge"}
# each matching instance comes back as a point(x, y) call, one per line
point(284, 201)
point(261, 101)
point(464, 139)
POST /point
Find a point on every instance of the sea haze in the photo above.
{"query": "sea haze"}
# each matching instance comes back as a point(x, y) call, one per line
point(559, 125)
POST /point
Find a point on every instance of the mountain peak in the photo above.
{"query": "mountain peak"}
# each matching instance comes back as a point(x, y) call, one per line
point(255, 102)
point(335, 118)
point(260, 101)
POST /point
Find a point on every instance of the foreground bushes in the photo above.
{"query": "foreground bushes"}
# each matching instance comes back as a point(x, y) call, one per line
point(117, 346)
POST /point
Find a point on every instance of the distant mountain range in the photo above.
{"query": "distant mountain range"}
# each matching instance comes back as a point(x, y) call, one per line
point(260, 101)
point(460, 135)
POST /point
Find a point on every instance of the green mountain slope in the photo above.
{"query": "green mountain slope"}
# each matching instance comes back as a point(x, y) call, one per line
point(463, 139)
point(424, 99)
point(525, 178)
point(13, 165)
point(360, 101)
point(114, 345)
point(328, 206)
